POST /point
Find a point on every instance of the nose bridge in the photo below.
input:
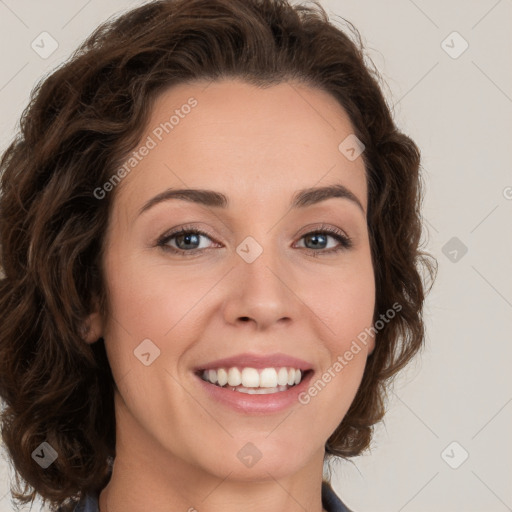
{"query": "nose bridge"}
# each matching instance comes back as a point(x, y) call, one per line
point(261, 264)
point(261, 280)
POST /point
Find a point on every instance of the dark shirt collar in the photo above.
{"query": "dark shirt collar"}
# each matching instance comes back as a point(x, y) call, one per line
point(330, 501)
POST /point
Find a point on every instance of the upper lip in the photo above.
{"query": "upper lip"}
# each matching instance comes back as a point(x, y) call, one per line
point(257, 361)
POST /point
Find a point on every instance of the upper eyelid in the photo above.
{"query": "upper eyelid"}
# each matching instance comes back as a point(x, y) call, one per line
point(304, 231)
point(205, 232)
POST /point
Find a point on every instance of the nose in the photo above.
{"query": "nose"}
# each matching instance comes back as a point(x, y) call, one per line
point(261, 293)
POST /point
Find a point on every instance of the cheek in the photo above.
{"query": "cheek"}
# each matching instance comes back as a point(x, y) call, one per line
point(136, 314)
point(344, 305)
point(345, 313)
point(344, 300)
point(150, 302)
point(147, 299)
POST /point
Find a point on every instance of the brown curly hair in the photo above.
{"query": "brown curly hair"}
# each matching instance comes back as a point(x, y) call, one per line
point(82, 121)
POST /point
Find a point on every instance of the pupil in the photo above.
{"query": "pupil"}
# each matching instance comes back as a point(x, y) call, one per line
point(188, 237)
point(315, 238)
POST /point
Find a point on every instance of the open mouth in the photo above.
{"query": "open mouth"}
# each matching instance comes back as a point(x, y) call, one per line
point(269, 381)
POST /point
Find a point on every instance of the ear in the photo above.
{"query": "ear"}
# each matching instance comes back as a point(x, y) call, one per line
point(92, 329)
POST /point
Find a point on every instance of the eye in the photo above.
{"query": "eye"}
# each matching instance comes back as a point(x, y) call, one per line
point(188, 241)
point(318, 239)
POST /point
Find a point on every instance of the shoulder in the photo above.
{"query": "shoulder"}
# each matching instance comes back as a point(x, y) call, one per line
point(330, 501)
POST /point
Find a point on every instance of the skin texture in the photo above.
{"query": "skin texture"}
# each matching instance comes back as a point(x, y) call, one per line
point(257, 146)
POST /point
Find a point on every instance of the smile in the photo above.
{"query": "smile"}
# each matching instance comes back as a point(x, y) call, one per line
point(251, 390)
point(252, 380)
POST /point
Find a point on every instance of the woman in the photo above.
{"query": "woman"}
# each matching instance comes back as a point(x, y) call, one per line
point(175, 334)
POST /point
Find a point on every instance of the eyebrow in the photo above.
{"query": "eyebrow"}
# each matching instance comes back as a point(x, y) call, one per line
point(301, 199)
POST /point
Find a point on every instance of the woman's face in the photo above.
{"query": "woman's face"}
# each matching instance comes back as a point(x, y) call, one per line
point(264, 280)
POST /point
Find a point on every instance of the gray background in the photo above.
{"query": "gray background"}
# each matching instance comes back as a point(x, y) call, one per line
point(459, 111)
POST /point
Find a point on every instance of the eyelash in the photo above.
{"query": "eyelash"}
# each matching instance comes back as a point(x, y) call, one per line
point(345, 242)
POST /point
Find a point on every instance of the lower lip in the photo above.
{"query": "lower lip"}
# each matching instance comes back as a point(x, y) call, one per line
point(258, 404)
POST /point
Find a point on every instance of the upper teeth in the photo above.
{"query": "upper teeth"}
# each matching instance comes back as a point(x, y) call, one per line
point(253, 378)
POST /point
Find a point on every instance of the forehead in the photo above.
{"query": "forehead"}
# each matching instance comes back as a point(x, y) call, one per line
point(254, 144)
